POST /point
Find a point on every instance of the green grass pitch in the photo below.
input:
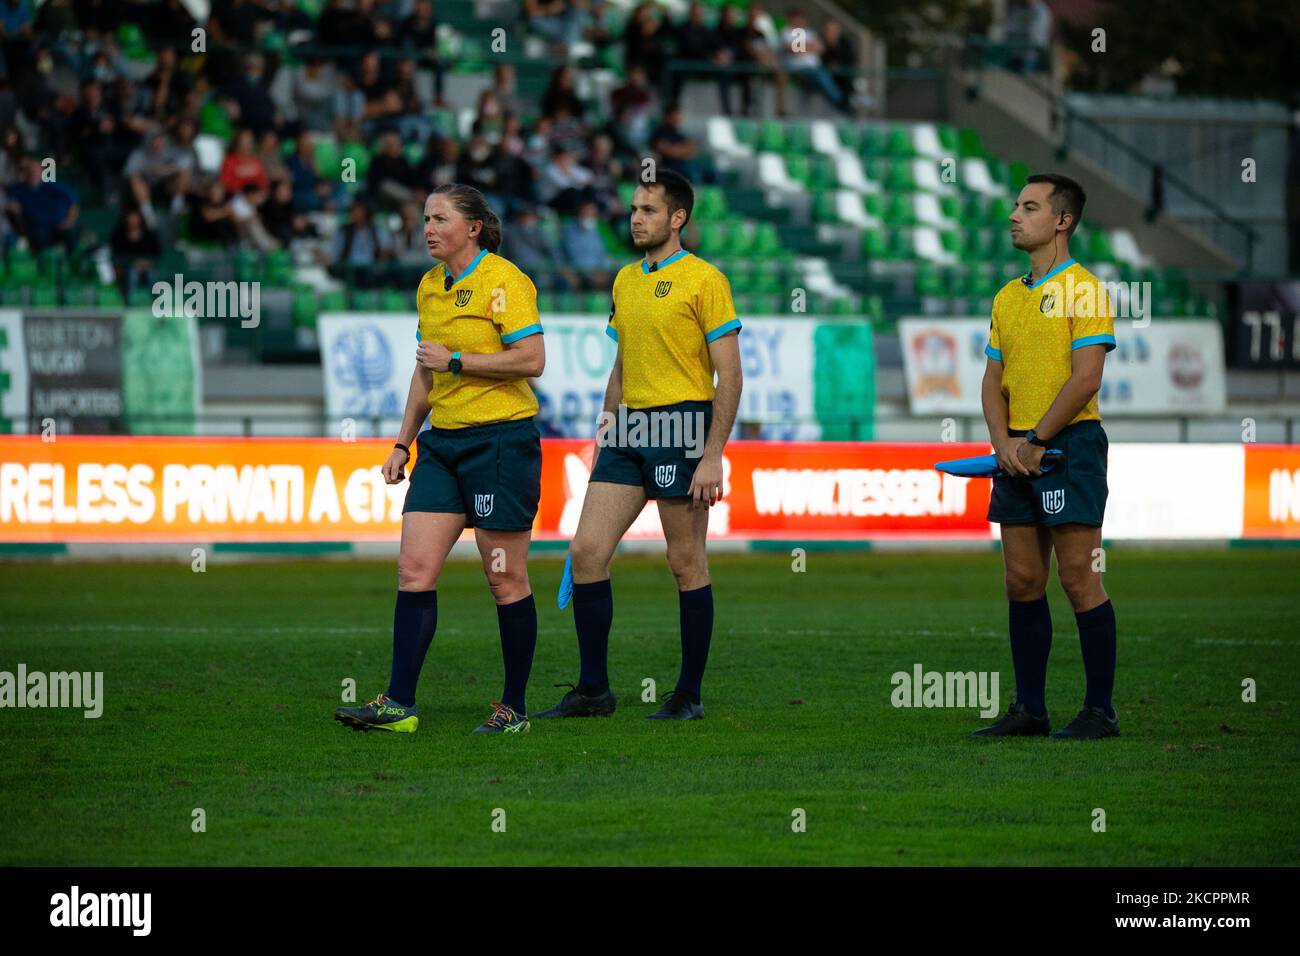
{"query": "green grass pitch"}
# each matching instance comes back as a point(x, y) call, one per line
point(219, 689)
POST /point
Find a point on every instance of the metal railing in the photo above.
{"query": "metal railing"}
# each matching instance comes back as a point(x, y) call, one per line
point(1064, 119)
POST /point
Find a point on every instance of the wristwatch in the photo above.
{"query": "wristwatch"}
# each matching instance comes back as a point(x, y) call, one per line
point(455, 365)
point(1031, 436)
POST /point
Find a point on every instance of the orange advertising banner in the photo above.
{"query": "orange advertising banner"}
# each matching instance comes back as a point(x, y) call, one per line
point(82, 489)
point(1272, 493)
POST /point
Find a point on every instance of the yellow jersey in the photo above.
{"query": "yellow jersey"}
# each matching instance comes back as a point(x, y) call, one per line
point(484, 309)
point(1035, 329)
point(663, 320)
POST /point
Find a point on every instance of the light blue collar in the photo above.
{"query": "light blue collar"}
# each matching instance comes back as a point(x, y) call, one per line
point(645, 267)
point(469, 268)
point(1063, 266)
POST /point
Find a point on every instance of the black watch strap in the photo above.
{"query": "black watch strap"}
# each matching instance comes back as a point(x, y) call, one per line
point(405, 448)
point(1032, 437)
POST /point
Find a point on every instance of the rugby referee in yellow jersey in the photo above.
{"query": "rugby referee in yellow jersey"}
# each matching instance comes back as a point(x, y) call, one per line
point(479, 462)
point(675, 325)
point(1048, 341)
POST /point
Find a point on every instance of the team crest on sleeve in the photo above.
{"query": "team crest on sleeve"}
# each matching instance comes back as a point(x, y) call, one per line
point(662, 288)
point(665, 475)
point(483, 505)
point(1054, 501)
point(463, 297)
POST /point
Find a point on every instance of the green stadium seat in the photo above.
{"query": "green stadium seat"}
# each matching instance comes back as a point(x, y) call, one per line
point(595, 303)
point(108, 296)
point(872, 142)
point(546, 303)
point(139, 298)
point(771, 137)
point(929, 283)
point(950, 140)
point(327, 157)
point(767, 242)
point(969, 143)
point(1017, 173)
point(334, 301)
point(874, 244)
point(22, 267)
point(305, 307)
point(824, 207)
point(1098, 247)
point(367, 300)
point(899, 145)
point(394, 301)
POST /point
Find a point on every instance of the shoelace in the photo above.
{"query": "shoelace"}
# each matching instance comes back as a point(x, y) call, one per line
point(379, 701)
point(500, 715)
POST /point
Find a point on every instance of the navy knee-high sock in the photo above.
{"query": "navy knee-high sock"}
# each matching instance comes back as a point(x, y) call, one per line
point(415, 619)
point(1097, 642)
point(593, 613)
point(518, 624)
point(1031, 643)
point(696, 609)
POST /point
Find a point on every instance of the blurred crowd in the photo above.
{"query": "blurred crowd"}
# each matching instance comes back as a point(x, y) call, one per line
point(106, 103)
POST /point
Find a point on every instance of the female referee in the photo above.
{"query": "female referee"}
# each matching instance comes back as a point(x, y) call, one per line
point(479, 462)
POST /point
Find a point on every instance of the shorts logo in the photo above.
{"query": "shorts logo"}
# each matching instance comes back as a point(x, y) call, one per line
point(462, 297)
point(662, 287)
point(665, 475)
point(1045, 306)
point(483, 505)
point(1054, 501)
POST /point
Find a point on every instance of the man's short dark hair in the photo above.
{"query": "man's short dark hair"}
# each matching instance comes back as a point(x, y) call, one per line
point(678, 192)
point(1066, 196)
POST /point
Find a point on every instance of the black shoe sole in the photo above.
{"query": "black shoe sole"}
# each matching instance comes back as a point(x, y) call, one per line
point(549, 714)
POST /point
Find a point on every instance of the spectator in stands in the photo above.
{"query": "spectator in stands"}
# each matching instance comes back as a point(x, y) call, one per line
point(477, 166)
point(311, 191)
point(410, 248)
point(392, 180)
point(697, 42)
point(314, 96)
point(349, 110)
point(282, 221)
point(94, 129)
point(243, 168)
point(583, 250)
point(801, 55)
point(361, 248)
point(644, 42)
point(529, 246)
point(383, 102)
point(168, 85)
point(568, 131)
point(539, 144)
point(12, 152)
point(413, 121)
point(676, 150)
point(155, 176)
point(562, 94)
point(252, 230)
point(759, 51)
point(441, 161)
point(1029, 35)
point(507, 93)
point(272, 156)
point(234, 23)
point(134, 112)
point(634, 103)
point(489, 115)
point(560, 21)
point(422, 29)
point(730, 36)
point(257, 110)
point(136, 250)
point(606, 172)
point(839, 56)
point(211, 220)
point(44, 213)
point(514, 174)
point(16, 18)
point(564, 184)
